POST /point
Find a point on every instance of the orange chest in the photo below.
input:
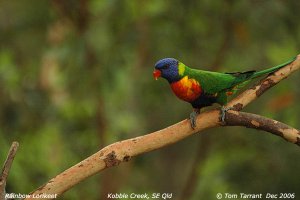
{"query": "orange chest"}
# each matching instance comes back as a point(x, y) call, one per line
point(187, 89)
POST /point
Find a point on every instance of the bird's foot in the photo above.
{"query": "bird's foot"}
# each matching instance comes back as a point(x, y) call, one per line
point(223, 113)
point(193, 117)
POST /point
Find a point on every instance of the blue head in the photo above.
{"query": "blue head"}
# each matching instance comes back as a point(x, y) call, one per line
point(168, 69)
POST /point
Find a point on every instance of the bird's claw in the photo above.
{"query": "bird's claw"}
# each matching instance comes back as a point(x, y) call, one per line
point(193, 117)
point(223, 113)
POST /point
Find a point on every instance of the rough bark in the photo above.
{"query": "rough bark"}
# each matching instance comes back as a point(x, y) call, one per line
point(249, 120)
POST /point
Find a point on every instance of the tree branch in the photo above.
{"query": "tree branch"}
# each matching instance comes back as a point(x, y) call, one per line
point(6, 167)
point(122, 151)
point(249, 120)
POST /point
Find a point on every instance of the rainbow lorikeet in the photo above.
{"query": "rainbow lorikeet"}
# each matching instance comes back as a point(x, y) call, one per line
point(203, 88)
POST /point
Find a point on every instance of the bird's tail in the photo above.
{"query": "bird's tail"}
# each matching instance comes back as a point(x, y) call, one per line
point(272, 69)
point(245, 77)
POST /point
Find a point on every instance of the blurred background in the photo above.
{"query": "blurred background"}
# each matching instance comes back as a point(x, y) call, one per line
point(76, 76)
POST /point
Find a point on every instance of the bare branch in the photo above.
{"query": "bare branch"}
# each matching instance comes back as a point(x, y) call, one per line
point(249, 120)
point(122, 151)
point(6, 167)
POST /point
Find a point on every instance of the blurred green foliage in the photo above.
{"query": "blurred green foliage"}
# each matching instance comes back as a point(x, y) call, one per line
point(77, 75)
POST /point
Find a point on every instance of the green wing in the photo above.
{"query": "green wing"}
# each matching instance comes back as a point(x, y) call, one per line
point(214, 82)
point(220, 83)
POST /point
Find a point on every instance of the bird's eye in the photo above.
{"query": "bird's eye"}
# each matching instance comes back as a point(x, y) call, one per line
point(165, 66)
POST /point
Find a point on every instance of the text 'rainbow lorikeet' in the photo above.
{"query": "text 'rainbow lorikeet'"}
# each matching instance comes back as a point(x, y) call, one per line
point(203, 88)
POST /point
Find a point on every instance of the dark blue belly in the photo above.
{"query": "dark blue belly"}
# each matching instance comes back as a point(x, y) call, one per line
point(203, 101)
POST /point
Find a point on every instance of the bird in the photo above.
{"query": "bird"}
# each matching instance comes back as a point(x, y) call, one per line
point(203, 88)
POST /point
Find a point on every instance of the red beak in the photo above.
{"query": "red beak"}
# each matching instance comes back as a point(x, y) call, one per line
point(156, 74)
